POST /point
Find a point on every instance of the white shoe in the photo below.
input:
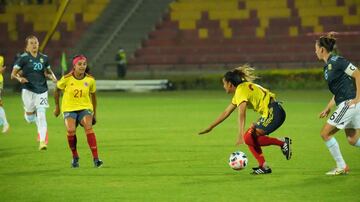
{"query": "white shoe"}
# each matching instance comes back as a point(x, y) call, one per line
point(42, 145)
point(339, 171)
point(6, 128)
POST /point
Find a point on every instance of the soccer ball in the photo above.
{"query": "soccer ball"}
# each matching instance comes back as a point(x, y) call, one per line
point(238, 160)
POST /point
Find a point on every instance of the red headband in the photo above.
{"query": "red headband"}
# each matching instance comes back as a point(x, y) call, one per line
point(77, 58)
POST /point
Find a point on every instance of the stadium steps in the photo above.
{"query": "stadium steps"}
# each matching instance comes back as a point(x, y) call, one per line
point(129, 37)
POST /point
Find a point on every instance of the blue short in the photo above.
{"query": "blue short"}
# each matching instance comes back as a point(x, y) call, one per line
point(274, 120)
point(78, 115)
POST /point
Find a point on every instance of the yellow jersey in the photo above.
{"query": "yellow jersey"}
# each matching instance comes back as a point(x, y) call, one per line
point(76, 93)
point(257, 97)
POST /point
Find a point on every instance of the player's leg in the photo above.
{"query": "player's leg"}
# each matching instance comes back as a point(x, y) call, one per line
point(70, 124)
point(255, 149)
point(86, 122)
point(41, 103)
point(29, 106)
point(266, 126)
point(4, 121)
point(341, 118)
point(352, 137)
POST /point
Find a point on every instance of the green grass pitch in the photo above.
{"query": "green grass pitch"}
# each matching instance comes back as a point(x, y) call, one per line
point(151, 152)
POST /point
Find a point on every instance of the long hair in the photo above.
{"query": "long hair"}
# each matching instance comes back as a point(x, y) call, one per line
point(240, 74)
point(328, 42)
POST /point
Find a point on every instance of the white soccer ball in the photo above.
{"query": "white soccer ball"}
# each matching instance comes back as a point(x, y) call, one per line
point(238, 160)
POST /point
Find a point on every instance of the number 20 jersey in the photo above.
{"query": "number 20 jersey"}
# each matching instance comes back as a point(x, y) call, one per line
point(33, 70)
point(76, 92)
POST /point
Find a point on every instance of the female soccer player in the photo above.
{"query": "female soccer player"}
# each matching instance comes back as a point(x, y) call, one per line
point(3, 119)
point(78, 106)
point(343, 80)
point(34, 67)
point(250, 95)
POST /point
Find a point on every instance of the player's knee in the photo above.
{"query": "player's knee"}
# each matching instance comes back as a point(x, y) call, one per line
point(88, 130)
point(248, 136)
point(70, 132)
point(351, 140)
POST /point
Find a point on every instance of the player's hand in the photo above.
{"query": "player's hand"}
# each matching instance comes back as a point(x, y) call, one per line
point(239, 142)
point(353, 102)
point(56, 111)
point(324, 113)
point(205, 131)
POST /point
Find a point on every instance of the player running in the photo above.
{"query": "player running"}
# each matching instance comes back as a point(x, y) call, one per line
point(34, 67)
point(343, 80)
point(250, 95)
point(78, 107)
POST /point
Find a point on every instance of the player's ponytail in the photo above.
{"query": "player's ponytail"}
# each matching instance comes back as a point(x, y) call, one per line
point(240, 74)
point(328, 42)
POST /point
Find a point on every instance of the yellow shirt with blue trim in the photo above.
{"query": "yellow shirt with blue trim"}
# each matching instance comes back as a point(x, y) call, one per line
point(76, 92)
point(257, 97)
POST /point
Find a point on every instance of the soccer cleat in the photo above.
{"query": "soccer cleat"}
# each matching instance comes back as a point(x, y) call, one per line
point(261, 170)
point(286, 148)
point(339, 171)
point(75, 162)
point(42, 145)
point(6, 128)
point(98, 163)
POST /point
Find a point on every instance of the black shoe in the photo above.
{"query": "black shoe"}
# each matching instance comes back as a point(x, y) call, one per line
point(75, 162)
point(261, 170)
point(98, 163)
point(286, 148)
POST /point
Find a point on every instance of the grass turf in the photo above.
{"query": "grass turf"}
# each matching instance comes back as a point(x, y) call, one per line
point(151, 152)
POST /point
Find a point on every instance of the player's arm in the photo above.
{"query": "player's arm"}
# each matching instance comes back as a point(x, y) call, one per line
point(94, 103)
point(57, 93)
point(15, 74)
point(242, 119)
point(328, 107)
point(229, 109)
point(354, 73)
point(2, 69)
point(50, 75)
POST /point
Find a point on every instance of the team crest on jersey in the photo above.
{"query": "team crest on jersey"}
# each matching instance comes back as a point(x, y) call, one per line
point(329, 67)
point(41, 60)
point(71, 84)
point(86, 84)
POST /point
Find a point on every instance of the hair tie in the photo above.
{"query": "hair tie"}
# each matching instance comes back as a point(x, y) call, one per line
point(77, 58)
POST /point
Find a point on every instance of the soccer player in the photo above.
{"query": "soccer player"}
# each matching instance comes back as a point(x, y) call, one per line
point(250, 95)
point(3, 119)
point(343, 80)
point(31, 70)
point(78, 107)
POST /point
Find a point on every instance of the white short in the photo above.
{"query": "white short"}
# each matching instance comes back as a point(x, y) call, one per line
point(33, 101)
point(346, 116)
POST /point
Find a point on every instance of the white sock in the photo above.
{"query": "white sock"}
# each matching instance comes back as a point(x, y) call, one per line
point(357, 144)
point(41, 123)
point(334, 149)
point(3, 116)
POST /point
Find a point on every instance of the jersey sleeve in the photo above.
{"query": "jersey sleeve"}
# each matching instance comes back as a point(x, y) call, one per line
point(343, 63)
point(92, 88)
point(46, 63)
point(19, 63)
point(61, 84)
point(241, 95)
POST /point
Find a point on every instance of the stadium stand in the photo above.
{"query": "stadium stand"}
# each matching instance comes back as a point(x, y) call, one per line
point(18, 19)
point(273, 33)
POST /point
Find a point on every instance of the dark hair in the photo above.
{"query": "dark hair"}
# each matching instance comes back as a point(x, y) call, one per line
point(328, 42)
point(240, 74)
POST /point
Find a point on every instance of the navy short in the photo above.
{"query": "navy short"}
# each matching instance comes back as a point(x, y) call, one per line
point(274, 120)
point(77, 115)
